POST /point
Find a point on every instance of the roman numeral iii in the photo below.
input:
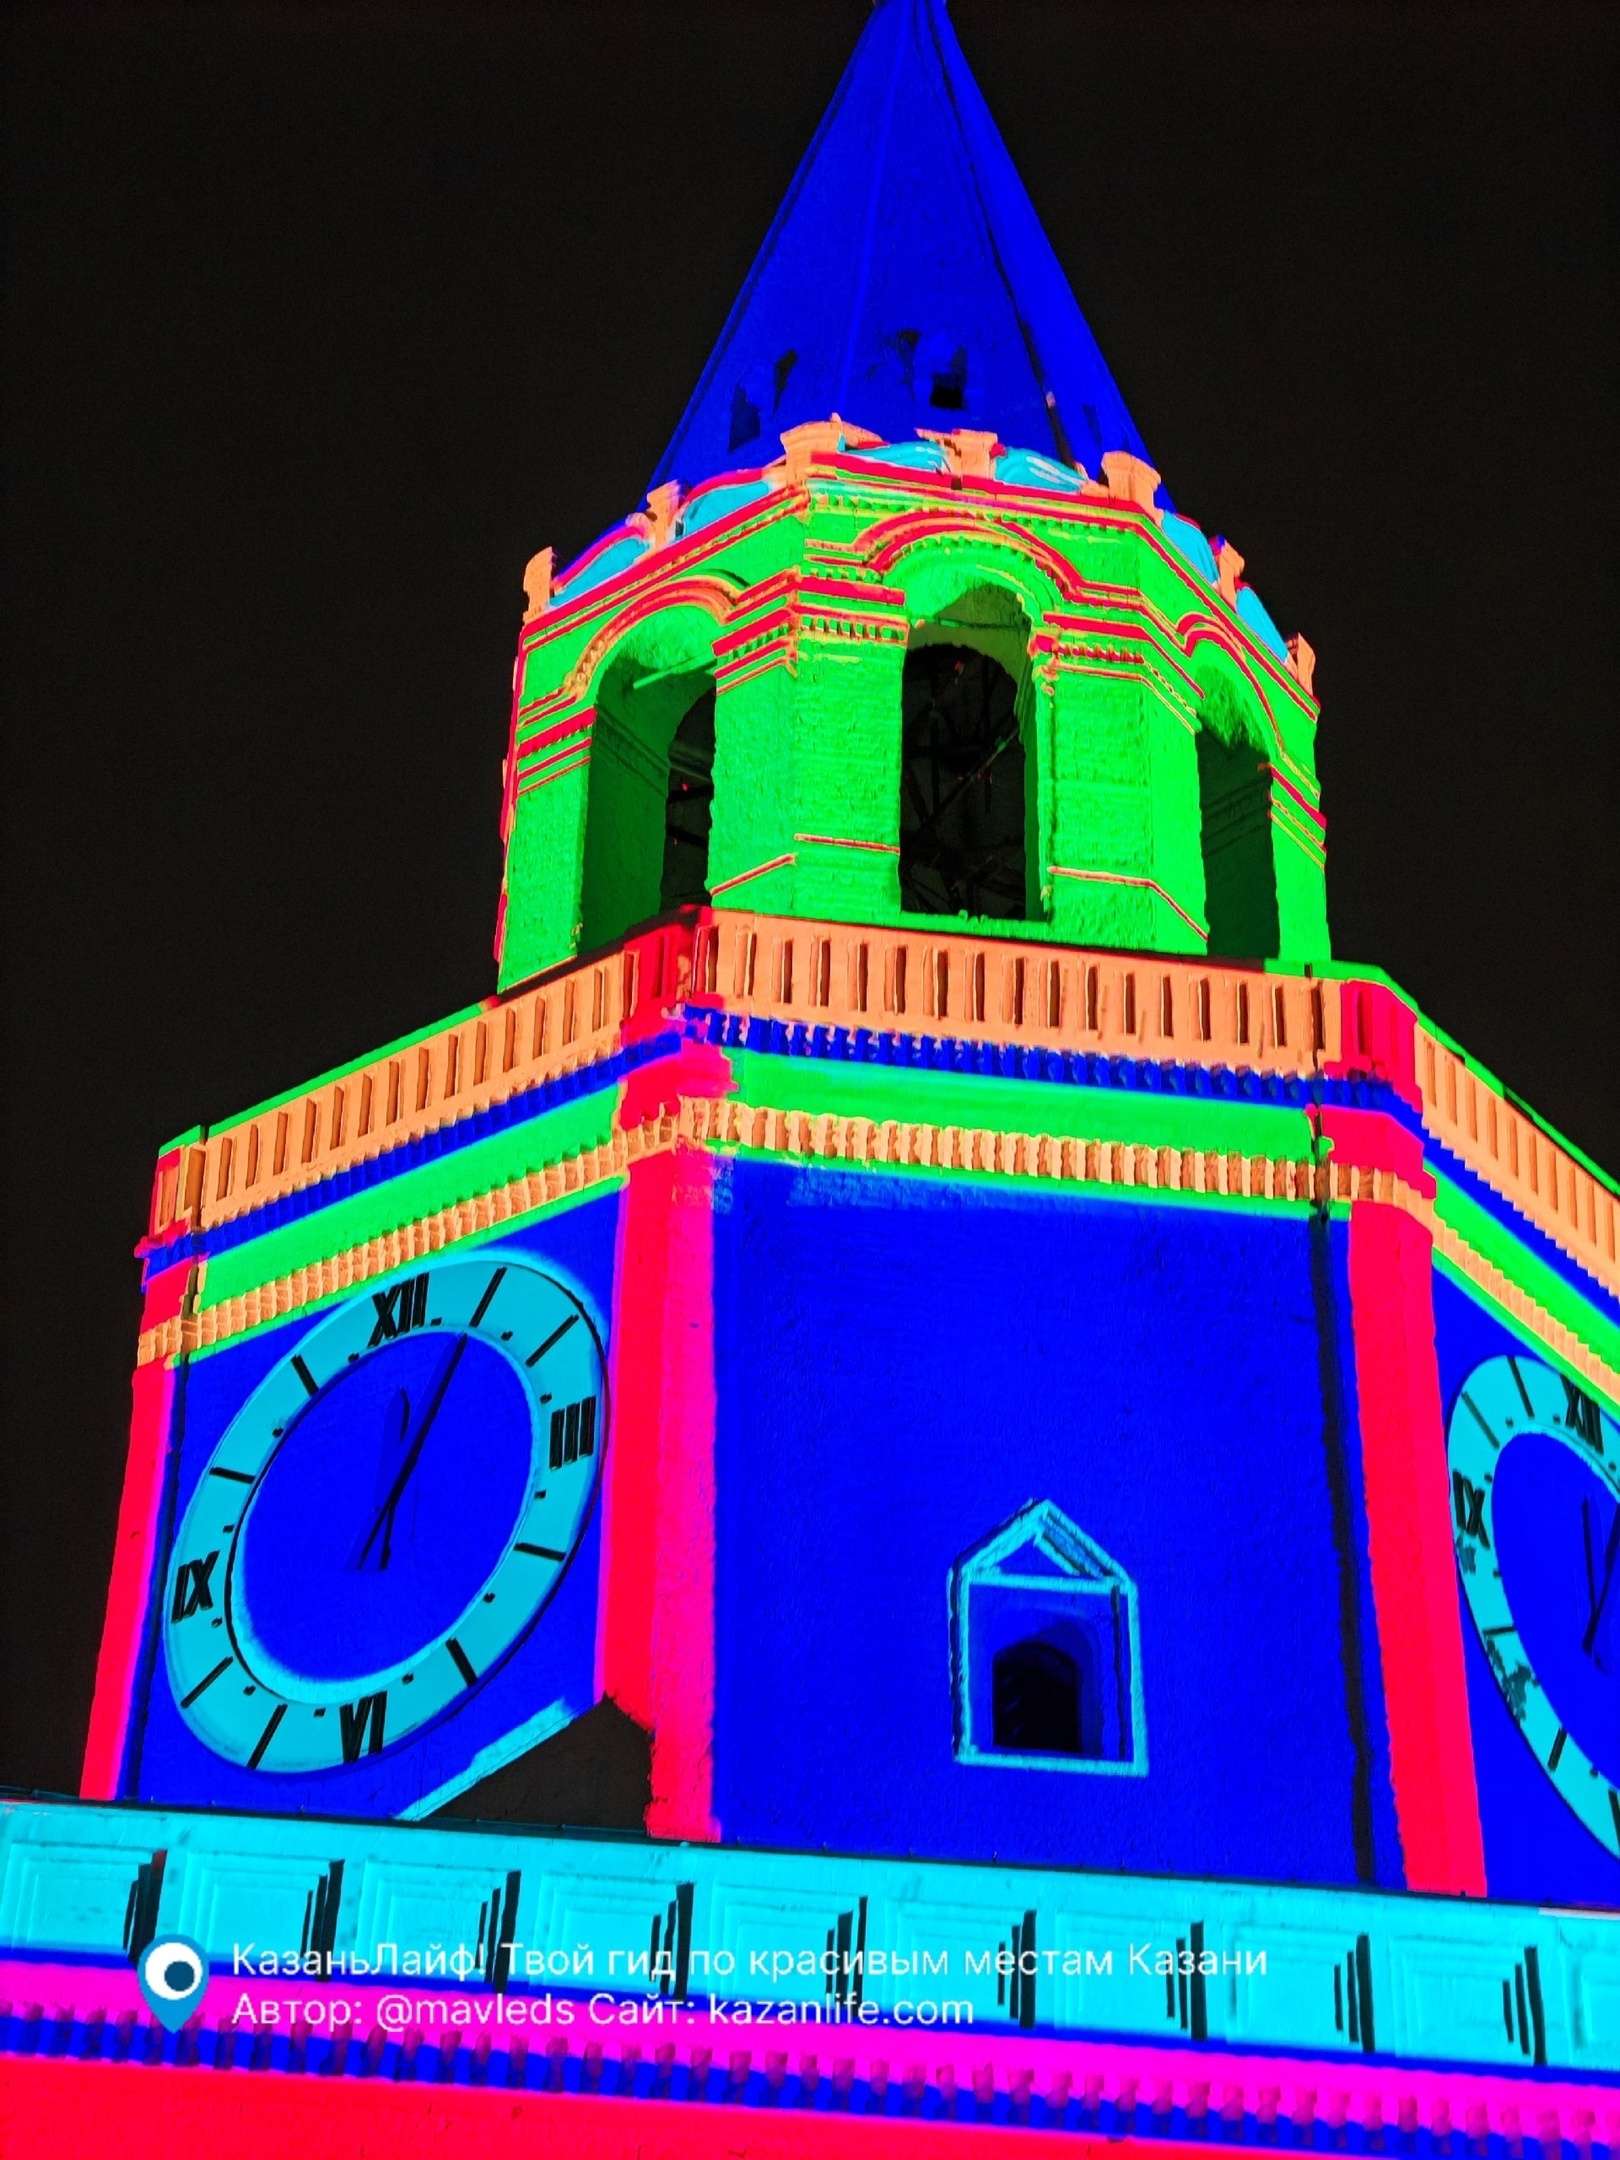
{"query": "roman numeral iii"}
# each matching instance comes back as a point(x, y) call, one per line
point(573, 1432)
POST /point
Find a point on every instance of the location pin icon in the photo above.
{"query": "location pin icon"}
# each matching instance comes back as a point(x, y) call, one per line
point(173, 1973)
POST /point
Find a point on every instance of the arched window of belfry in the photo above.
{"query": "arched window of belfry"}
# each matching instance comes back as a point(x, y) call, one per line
point(966, 774)
point(651, 790)
point(1234, 797)
point(689, 806)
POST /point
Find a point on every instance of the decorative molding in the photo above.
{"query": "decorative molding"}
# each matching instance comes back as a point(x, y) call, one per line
point(321, 1279)
point(746, 877)
point(1132, 480)
point(1506, 1150)
point(1228, 569)
point(716, 595)
point(892, 1143)
point(575, 1018)
point(727, 1122)
point(829, 1137)
point(1013, 993)
point(537, 584)
point(1144, 884)
point(1518, 1304)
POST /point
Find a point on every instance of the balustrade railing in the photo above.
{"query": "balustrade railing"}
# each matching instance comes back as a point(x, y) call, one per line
point(1511, 1153)
point(842, 975)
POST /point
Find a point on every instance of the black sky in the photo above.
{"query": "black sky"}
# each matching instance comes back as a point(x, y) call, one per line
point(319, 321)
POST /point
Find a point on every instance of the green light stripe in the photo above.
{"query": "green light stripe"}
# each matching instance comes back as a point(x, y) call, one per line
point(1494, 1242)
point(1021, 1106)
point(486, 1164)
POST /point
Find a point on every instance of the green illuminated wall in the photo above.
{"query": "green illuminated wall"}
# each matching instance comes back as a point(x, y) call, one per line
point(1170, 755)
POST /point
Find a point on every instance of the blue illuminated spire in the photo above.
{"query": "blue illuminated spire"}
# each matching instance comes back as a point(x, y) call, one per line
point(906, 281)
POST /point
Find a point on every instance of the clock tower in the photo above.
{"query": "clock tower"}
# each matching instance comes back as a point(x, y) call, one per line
point(929, 1375)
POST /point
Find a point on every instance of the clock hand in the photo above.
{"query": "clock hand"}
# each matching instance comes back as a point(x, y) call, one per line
point(396, 1432)
point(385, 1514)
point(1598, 1592)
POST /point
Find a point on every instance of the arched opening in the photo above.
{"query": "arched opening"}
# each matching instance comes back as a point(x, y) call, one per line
point(651, 792)
point(1035, 1700)
point(689, 806)
point(963, 785)
point(1234, 800)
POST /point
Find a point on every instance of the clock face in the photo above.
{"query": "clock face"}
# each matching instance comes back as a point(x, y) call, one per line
point(387, 1515)
point(1535, 1489)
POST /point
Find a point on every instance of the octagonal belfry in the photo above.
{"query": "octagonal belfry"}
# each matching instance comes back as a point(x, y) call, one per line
point(926, 681)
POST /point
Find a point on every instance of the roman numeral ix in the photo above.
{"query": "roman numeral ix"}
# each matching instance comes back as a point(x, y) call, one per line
point(193, 1591)
point(1468, 1503)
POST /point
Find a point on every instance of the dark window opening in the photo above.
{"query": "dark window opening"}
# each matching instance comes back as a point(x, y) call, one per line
point(961, 787)
point(744, 419)
point(760, 387)
point(1035, 1700)
point(1089, 414)
point(948, 382)
point(1240, 884)
point(689, 807)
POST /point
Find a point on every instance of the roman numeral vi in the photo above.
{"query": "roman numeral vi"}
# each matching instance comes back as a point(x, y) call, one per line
point(357, 1719)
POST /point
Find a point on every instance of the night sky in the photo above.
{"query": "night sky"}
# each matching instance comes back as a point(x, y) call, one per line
point(319, 321)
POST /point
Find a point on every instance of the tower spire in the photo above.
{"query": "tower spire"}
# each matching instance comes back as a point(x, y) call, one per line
point(906, 281)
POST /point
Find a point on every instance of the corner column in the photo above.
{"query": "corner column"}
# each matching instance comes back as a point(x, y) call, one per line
point(1403, 1453)
point(1299, 870)
point(1125, 867)
point(131, 1592)
point(655, 1634)
point(807, 751)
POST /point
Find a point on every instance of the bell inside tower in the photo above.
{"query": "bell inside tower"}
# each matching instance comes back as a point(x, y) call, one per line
point(689, 807)
point(962, 786)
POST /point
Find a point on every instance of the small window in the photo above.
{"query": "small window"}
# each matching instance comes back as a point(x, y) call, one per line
point(940, 372)
point(961, 787)
point(758, 394)
point(1035, 1700)
point(744, 418)
point(1046, 1665)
